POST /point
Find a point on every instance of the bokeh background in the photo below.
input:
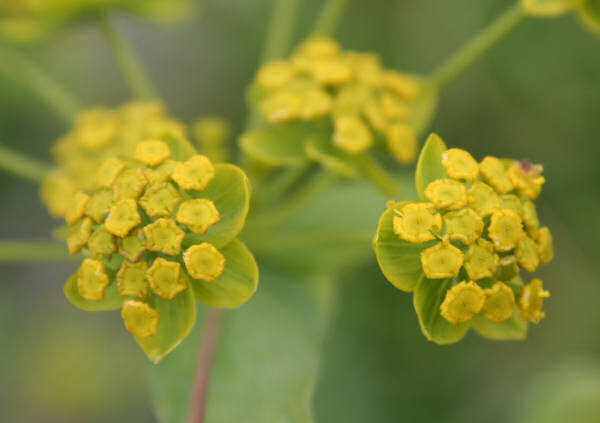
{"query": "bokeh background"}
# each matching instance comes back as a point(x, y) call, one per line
point(536, 95)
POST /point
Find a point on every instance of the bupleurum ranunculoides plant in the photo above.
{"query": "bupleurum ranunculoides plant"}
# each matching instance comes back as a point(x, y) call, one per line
point(338, 108)
point(461, 248)
point(158, 232)
point(100, 133)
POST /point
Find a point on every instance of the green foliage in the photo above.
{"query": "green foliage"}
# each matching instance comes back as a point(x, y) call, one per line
point(278, 145)
point(429, 166)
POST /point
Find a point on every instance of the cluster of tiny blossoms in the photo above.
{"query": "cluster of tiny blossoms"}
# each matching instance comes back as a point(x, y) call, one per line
point(362, 102)
point(487, 227)
point(100, 133)
point(133, 224)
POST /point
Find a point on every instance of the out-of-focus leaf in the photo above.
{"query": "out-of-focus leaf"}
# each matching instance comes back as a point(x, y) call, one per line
point(589, 12)
point(428, 296)
point(429, 165)
point(230, 192)
point(177, 318)
point(112, 300)
point(424, 109)
point(548, 8)
point(514, 328)
point(238, 282)
point(279, 145)
point(181, 149)
point(398, 259)
point(336, 161)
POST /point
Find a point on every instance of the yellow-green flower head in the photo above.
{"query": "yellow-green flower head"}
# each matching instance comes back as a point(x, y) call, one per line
point(481, 261)
point(442, 261)
point(159, 238)
point(505, 229)
point(463, 301)
point(417, 223)
point(460, 164)
point(447, 194)
point(26, 21)
point(499, 303)
point(527, 178)
point(343, 97)
point(463, 225)
point(531, 301)
point(102, 133)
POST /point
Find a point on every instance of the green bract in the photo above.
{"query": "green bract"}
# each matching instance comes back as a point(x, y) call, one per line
point(160, 232)
point(461, 247)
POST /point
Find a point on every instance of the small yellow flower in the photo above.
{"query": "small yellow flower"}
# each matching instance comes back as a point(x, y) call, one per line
point(123, 217)
point(544, 245)
point(281, 106)
point(204, 262)
point(133, 245)
point(198, 214)
point(164, 236)
point(527, 178)
point(92, 280)
point(160, 200)
point(161, 173)
point(463, 301)
point(77, 208)
point(195, 173)
point(108, 172)
point(95, 128)
point(319, 47)
point(275, 74)
point(511, 202)
point(375, 116)
point(407, 87)
point(393, 108)
point(417, 223)
point(483, 199)
point(131, 279)
point(402, 142)
point(152, 152)
point(57, 193)
point(129, 184)
point(446, 194)
point(79, 235)
point(331, 72)
point(505, 230)
point(532, 300)
point(350, 100)
point(481, 261)
point(99, 205)
point(315, 103)
point(166, 279)
point(459, 164)
point(101, 243)
point(527, 254)
point(499, 303)
point(140, 319)
point(443, 260)
point(352, 135)
point(463, 225)
point(494, 173)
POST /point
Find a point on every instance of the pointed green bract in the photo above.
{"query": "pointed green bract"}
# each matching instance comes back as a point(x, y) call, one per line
point(429, 165)
point(335, 160)
point(112, 300)
point(236, 285)
point(230, 192)
point(181, 149)
point(398, 259)
point(177, 318)
point(514, 328)
point(429, 295)
point(589, 12)
point(279, 145)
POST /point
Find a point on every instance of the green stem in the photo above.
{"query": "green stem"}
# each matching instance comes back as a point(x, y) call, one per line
point(378, 175)
point(330, 16)
point(459, 62)
point(21, 165)
point(282, 183)
point(280, 29)
point(33, 252)
point(23, 71)
point(130, 66)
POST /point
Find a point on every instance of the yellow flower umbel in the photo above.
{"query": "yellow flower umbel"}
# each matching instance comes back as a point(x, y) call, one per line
point(152, 226)
point(531, 301)
point(101, 133)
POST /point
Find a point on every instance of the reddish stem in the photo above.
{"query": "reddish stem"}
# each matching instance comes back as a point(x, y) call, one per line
point(206, 351)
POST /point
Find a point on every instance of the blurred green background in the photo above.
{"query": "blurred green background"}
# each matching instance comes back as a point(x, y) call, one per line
point(534, 96)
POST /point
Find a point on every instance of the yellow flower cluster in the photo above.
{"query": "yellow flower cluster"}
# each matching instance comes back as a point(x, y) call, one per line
point(133, 224)
point(100, 133)
point(487, 225)
point(362, 101)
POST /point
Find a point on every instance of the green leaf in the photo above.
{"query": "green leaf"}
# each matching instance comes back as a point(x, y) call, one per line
point(589, 12)
point(548, 8)
point(238, 282)
point(112, 300)
point(321, 150)
point(279, 145)
point(181, 149)
point(514, 328)
point(429, 165)
point(177, 317)
point(399, 260)
point(270, 352)
point(423, 110)
point(429, 295)
point(230, 191)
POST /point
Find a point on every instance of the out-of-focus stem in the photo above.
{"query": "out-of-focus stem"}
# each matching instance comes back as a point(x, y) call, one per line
point(21, 165)
point(13, 251)
point(329, 17)
point(280, 29)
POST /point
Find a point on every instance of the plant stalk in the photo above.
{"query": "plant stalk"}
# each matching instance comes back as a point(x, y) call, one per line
point(329, 17)
point(21, 165)
point(455, 65)
point(34, 252)
point(280, 29)
point(206, 352)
